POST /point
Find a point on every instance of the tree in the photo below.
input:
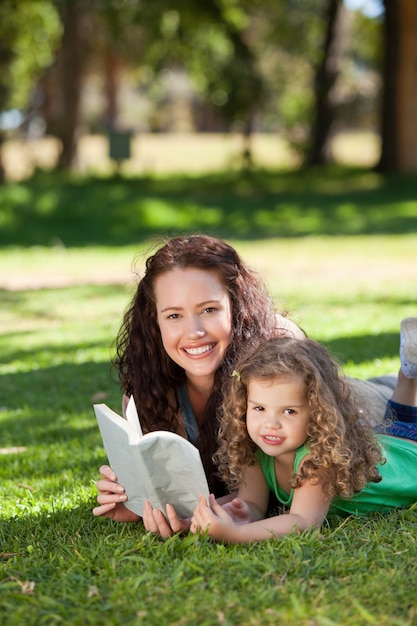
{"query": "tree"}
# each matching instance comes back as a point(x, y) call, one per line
point(399, 80)
point(399, 109)
point(62, 84)
point(166, 30)
point(235, 73)
point(325, 80)
point(25, 26)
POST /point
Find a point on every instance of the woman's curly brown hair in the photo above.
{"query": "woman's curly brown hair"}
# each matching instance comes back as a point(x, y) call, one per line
point(144, 368)
point(344, 451)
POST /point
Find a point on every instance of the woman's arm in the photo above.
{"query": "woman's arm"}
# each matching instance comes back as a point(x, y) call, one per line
point(287, 328)
point(125, 402)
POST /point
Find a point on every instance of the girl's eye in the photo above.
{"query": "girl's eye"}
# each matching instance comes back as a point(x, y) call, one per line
point(209, 309)
point(258, 408)
point(173, 316)
point(289, 411)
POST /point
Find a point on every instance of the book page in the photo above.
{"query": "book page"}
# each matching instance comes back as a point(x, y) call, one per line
point(177, 473)
point(133, 417)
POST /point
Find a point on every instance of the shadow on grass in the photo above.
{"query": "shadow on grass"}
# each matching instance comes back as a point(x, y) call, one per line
point(49, 413)
point(49, 398)
point(53, 209)
point(358, 349)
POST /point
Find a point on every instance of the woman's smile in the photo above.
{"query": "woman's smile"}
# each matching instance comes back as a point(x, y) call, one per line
point(200, 350)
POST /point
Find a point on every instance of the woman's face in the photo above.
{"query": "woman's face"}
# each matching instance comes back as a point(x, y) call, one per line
point(195, 319)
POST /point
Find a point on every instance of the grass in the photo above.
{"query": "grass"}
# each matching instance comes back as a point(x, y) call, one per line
point(59, 564)
point(80, 212)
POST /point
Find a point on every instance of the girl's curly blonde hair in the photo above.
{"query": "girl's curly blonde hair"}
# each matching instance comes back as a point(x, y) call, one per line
point(343, 448)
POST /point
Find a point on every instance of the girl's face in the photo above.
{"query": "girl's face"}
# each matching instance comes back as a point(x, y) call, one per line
point(195, 319)
point(278, 415)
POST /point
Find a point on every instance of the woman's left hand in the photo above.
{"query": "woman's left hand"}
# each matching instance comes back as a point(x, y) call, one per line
point(155, 522)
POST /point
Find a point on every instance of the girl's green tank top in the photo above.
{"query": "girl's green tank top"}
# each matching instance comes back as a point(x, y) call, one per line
point(397, 489)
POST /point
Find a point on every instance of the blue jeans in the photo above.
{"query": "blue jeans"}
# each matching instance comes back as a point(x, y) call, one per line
point(403, 420)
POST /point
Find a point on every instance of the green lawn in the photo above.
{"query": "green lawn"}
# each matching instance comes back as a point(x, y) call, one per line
point(348, 280)
point(67, 211)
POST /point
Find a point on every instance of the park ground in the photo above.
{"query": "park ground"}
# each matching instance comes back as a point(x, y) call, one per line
point(175, 153)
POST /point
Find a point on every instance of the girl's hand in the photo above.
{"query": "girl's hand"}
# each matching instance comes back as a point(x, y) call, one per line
point(155, 522)
point(239, 511)
point(111, 498)
point(213, 519)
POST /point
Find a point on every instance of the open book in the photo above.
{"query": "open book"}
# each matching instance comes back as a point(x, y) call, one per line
point(160, 466)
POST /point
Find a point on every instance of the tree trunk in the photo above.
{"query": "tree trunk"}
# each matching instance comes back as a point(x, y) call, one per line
point(70, 65)
point(325, 80)
point(389, 118)
point(2, 168)
point(111, 67)
point(407, 88)
point(399, 112)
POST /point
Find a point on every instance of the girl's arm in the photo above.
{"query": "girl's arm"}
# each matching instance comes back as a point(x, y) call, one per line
point(251, 501)
point(309, 508)
point(248, 505)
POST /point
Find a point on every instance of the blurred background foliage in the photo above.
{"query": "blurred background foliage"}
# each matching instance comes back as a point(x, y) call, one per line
point(29, 35)
point(302, 69)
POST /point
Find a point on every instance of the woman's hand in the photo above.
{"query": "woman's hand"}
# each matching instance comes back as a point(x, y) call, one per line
point(111, 498)
point(155, 522)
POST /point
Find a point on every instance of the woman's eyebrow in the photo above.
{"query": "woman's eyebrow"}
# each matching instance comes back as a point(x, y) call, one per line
point(198, 305)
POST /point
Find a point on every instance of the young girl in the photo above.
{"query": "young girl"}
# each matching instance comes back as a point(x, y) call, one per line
point(291, 424)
